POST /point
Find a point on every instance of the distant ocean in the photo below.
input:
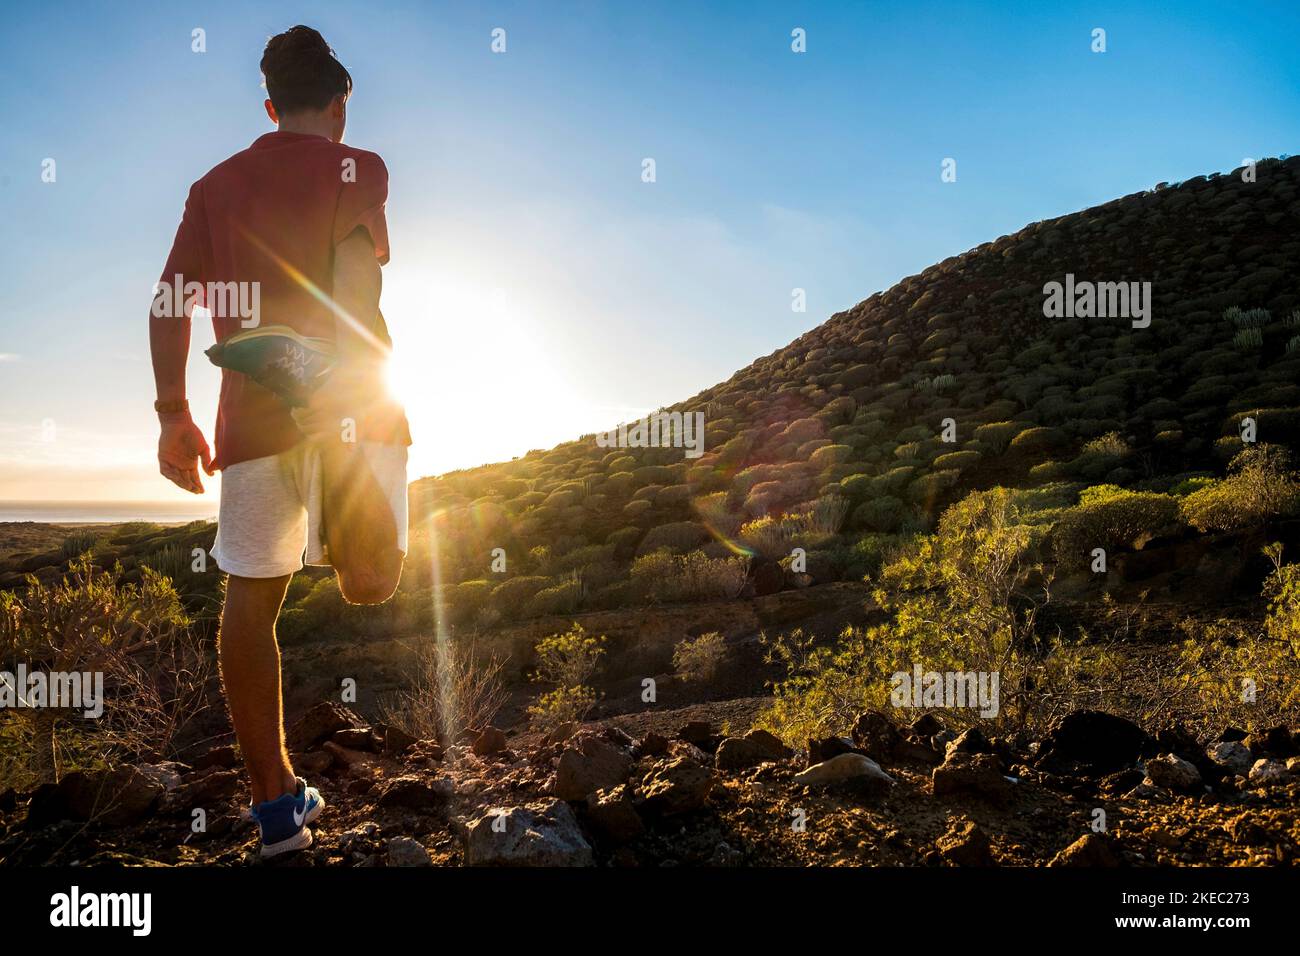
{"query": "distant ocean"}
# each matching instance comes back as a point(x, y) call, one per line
point(107, 512)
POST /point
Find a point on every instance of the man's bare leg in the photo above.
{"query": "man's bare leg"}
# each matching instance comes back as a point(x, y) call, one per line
point(250, 671)
point(359, 528)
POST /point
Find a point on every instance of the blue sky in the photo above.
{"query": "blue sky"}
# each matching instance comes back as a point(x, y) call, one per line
point(538, 288)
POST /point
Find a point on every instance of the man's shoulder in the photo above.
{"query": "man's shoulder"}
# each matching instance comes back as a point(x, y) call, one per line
point(233, 161)
point(363, 157)
point(318, 147)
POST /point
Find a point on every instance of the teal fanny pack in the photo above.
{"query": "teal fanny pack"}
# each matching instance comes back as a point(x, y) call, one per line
point(277, 358)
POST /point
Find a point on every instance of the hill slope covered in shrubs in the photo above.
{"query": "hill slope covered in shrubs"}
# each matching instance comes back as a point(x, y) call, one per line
point(863, 430)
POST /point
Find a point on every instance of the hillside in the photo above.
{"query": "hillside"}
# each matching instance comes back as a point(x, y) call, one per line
point(850, 415)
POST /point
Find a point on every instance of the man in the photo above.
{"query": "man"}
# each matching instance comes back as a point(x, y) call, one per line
point(312, 452)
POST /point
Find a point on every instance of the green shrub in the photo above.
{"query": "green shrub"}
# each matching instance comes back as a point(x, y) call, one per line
point(513, 594)
point(561, 598)
point(1115, 520)
point(698, 660)
point(927, 490)
point(136, 638)
point(1038, 439)
point(677, 536)
point(894, 480)
point(78, 543)
point(1111, 444)
point(471, 594)
point(1261, 486)
point(803, 429)
point(959, 601)
point(624, 540)
point(635, 510)
point(956, 460)
point(1048, 471)
point(1188, 485)
point(662, 577)
point(884, 514)
point(568, 661)
point(1220, 657)
point(856, 486)
point(829, 455)
point(997, 435)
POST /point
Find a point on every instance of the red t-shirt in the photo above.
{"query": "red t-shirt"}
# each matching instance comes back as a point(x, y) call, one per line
point(272, 214)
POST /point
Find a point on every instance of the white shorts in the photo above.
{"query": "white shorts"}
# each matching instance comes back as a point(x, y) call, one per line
point(270, 512)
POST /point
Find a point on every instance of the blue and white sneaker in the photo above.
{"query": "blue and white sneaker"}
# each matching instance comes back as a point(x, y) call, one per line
point(283, 821)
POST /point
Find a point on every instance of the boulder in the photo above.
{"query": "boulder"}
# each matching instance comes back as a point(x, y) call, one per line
point(320, 723)
point(757, 746)
point(356, 738)
point(489, 743)
point(1091, 741)
point(1268, 772)
point(850, 770)
point(312, 763)
point(1173, 773)
point(113, 797)
point(700, 733)
point(1232, 755)
point(206, 789)
point(908, 750)
point(561, 733)
point(545, 833)
point(970, 741)
point(925, 726)
point(829, 747)
point(224, 757)
point(1091, 849)
point(1245, 830)
point(651, 745)
point(404, 851)
point(412, 792)
point(618, 737)
point(965, 844)
point(1274, 742)
point(875, 735)
point(677, 786)
point(395, 740)
point(356, 761)
point(613, 815)
point(590, 763)
point(978, 774)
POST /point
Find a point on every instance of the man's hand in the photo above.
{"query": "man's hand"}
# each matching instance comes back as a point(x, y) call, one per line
point(181, 447)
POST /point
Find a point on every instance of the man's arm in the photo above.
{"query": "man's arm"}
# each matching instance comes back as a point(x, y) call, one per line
point(181, 446)
point(356, 387)
point(358, 281)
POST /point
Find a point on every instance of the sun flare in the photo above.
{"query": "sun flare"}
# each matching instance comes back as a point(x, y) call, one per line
point(478, 381)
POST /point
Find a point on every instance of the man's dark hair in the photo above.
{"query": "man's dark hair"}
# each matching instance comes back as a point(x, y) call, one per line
point(302, 72)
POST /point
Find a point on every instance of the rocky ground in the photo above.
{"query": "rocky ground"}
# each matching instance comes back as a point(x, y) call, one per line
point(1095, 790)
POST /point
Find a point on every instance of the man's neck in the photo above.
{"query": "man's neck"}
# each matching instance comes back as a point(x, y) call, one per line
point(307, 125)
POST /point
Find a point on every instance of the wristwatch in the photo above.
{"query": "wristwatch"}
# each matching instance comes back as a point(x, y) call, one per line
point(171, 406)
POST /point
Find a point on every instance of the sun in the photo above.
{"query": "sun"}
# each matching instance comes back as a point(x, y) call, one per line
point(477, 377)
